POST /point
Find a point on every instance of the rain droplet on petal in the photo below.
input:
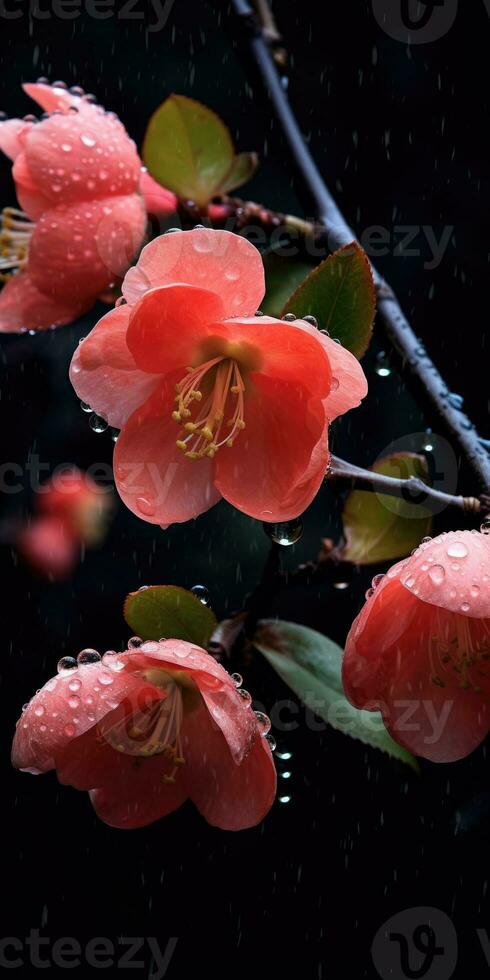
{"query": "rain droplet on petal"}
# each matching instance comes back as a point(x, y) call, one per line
point(66, 663)
point(457, 550)
point(201, 593)
point(437, 574)
point(263, 722)
point(97, 423)
point(285, 533)
point(237, 679)
point(88, 656)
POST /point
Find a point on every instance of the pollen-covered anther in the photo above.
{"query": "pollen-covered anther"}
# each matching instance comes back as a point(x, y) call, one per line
point(220, 378)
point(15, 234)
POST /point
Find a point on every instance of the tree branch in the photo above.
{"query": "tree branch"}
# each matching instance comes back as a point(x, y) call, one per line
point(411, 489)
point(396, 326)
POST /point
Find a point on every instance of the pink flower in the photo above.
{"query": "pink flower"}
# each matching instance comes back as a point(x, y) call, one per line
point(77, 177)
point(419, 650)
point(71, 512)
point(145, 730)
point(212, 401)
point(159, 201)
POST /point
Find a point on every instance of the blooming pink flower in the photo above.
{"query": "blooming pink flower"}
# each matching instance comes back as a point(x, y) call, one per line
point(212, 401)
point(77, 176)
point(419, 651)
point(71, 512)
point(145, 730)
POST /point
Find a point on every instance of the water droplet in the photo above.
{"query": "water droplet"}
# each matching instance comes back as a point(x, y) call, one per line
point(87, 140)
point(88, 656)
point(284, 756)
point(74, 703)
point(437, 574)
point(286, 533)
point(237, 679)
point(39, 710)
point(426, 539)
point(340, 585)
point(66, 147)
point(151, 646)
point(271, 741)
point(311, 319)
point(334, 384)
point(377, 581)
point(75, 684)
point(263, 722)
point(290, 317)
point(105, 679)
point(485, 527)
point(97, 423)
point(457, 550)
point(475, 591)
point(465, 607)
point(135, 642)
point(368, 593)
point(382, 368)
point(245, 695)
point(409, 582)
point(201, 593)
point(66, 663)
point(145, 506)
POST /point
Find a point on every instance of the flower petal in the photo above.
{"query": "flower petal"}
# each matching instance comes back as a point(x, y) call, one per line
point(201, 257)
point(158, 200)
point(229, 796)
point(79, 156)
point(275, 452)
point(24, 307)
point(50, 546)
point(351, 385)
point(136, 793)
point(50, 98)
point(153, 477)
point(167, 325)
point(9, 137)
point(68, 706)
point(223, 701)
point(453, 572)
point(103, 371)
point(76, 250)
point(30, 198)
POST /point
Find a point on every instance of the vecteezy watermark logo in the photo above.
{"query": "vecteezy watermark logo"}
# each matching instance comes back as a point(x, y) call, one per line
point(415, 21)
point(154, 13)
point(131, 953)
point(416, 944)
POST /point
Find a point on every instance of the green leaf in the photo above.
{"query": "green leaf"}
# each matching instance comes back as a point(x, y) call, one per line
point(282, 276)
point(310, 664)
point(168, 610)
point(340, 294)
point(242, 170)
point(188, 149)
point(378, 527)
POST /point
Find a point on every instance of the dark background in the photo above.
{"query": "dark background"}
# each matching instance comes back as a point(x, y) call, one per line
point(399, 134)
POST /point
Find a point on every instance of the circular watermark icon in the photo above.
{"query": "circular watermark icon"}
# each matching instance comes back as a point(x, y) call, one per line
point(417, 944)
point(415, 21)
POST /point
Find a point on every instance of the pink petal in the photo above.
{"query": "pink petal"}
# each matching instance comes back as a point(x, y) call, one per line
point(202, 257)
point(24, 307)
point(76, 250)
point(229, 796)
point(453, 572)
point(224, 703)
point(104, 374)
point(50, 99)
point(350, 384)
point(168, 324)
point(9, 137)
point(67, 707)
point(153, 477)
point(274, 454)
point(135, 792)
point(49, 545)
point(81, 156)
point(158, 200)
point(30, 198)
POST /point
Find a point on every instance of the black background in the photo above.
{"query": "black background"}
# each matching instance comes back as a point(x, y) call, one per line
point(399, 133)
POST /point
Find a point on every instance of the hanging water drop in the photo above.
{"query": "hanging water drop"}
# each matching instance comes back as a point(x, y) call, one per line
point(88, 656)
point(271, 741)
point(237, 679)
point(65, 664)
point(97, 423)
point(286, 533)
point(263, 722)
point(382, 368)
point(201, 593)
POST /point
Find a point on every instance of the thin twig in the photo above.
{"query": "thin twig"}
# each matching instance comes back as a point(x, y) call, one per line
point(412, 489)
point(396, 326)
point(271, 32)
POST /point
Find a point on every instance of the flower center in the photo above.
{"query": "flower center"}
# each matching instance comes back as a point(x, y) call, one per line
point(15, 233)
point(217, 387)
point(462, 648)
point(152, 729)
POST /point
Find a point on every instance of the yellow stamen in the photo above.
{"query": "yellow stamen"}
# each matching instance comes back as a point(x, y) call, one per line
point(202, 436)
